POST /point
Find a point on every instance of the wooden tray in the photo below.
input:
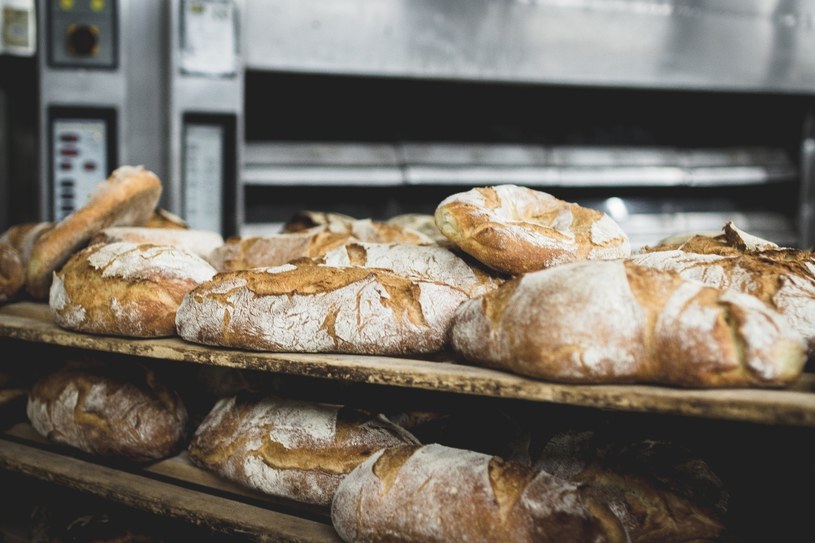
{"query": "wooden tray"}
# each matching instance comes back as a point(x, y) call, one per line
point(793, 406)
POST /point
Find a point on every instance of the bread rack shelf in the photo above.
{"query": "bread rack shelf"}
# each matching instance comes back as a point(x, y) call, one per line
point(172, 488)
point(794, 406)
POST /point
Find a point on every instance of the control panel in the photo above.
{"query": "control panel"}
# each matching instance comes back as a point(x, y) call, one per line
point(83, 33)
point(208, 163)
point(80, 159)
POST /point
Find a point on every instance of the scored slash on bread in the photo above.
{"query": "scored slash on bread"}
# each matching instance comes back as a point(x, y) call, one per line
point(128, 197)
point(616, 322)
point(287, 448)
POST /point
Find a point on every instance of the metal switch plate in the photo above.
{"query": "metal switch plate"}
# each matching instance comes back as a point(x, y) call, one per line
point(83, 33)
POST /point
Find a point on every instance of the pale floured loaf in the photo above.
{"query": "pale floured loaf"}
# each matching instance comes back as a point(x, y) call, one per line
point(616, 322)
point(515, 229)
point(125, 289)
point(428, 262)
point(134, 417)
point(437, 494)
point(313, 308)
point(290, 449)
point(199, 242)
point(127, 198)
point(783, 278)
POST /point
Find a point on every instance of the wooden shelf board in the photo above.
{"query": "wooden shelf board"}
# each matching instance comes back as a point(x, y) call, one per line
point(793, 406)
point(199, 501)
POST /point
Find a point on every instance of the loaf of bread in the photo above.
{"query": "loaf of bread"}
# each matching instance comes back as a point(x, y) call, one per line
point(127, 198)
point(199, 242)
point(516, 230)
point(434, 493)
point(659, 491)
point(277, 249)
point(419, 222)
point(273, 250)
point(23, 236)
point(616, 322)
point(129, 415)
point(782, 278)
point(425, 262)
point(290, 449)
point(161, 218)
point(313, 308)
point(12, 272)
point(125, 289)
point(307, 219)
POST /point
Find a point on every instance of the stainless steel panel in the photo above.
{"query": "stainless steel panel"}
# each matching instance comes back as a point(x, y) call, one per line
point(755, 45)
point(485, 164)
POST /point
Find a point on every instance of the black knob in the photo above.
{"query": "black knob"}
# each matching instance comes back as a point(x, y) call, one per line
point(83, 40)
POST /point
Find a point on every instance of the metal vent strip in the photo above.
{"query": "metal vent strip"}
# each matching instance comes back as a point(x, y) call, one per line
point(361, 164)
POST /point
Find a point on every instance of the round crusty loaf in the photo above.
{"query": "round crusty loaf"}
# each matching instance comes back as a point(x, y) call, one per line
point(132, 418)
point(128, 197)
point(125, 289)
point(199, 242)
point(305, 307)
point(290, 449)
point(616, 322)
point(427, 262)
point(516, 230)
point(438, 494)
point(12, 272)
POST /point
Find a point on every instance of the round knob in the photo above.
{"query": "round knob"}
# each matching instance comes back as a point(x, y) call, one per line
point(83, 40)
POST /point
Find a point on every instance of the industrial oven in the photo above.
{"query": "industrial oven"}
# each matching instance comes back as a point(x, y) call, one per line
point(671, 116)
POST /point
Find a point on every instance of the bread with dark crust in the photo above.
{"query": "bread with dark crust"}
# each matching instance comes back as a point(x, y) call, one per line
point(12, 272)
point(127, 198)
point(133, 418)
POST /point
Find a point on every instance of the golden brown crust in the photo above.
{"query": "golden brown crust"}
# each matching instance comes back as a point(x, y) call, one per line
point(275, 250)
point(161, 218)
point(435, 493)
point(12, 272)
point(616, 322)
point(290, 449)
point(128, 197)
point(125, 289)
point(312, 308)
point(516, 230)
point(23, 237)
point(306, 220)
point(137, 418)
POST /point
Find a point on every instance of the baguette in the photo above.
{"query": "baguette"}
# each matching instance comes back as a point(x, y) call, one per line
point(439, 494)
point(290, 449)
point(616, 322)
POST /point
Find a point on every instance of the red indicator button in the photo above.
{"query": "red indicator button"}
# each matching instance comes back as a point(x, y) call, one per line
point(69, 152)
point(65, 166)
point(69, 136)
point(89, 166)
